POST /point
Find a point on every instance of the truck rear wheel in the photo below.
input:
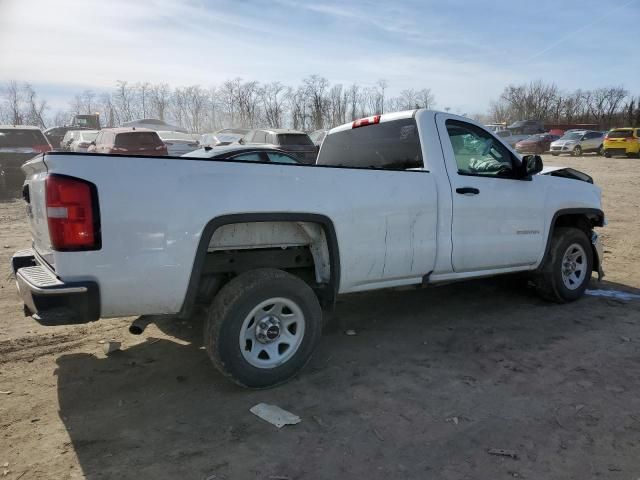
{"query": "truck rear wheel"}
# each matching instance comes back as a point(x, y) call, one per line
point(566, 269)
point(262, 327)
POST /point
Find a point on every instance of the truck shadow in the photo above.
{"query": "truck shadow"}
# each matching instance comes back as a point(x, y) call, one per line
point(160, 410)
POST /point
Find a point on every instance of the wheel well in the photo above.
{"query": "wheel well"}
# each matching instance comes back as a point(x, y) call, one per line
point(302, 244)
point(583, 219)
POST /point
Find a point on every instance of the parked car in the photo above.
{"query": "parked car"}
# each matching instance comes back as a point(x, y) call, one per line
point(128, 141)
point(527, 127)
point(622, 141)
point(265, 246)
point(578, 142)
point(509, 137)
point(178, 143)
point(494, 127)
point(538, 143)
point(17, 145)
point(55, 135)
point(292, 141)
point(318, 136)
point(221, 138)
point(78, 140)
point(557, 132)
point(247, 153)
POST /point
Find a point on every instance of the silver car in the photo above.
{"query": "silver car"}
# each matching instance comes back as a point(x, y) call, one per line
point(578, 142)
point(178, 143)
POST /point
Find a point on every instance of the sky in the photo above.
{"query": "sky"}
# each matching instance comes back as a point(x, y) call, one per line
point(465, 51)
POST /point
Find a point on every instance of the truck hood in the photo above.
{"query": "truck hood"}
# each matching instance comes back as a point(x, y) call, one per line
point(566, 172)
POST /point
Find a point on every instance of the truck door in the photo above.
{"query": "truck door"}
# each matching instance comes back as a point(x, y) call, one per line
point(497, 219)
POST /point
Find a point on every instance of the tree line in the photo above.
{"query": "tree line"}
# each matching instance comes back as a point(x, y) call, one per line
point(312, 105)
point(606, 107)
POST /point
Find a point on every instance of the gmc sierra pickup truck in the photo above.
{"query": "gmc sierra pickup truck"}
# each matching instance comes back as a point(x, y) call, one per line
point(409, 198)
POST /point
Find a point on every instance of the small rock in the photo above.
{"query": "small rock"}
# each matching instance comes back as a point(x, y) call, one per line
point(453, 420)
point(7, 246)
point(111, 346)
point(5, 464)
point(6, 392)
point(625, 339)
point(350, 333)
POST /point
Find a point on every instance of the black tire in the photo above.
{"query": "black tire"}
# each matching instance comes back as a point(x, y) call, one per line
point(577, 151)
point(607, 154)
point(549, 279)
point(230, 308)
point(600, 151)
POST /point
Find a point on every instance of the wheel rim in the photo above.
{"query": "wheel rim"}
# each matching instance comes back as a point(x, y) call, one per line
point(272, 332)
point(574, 266)
point(577, 151)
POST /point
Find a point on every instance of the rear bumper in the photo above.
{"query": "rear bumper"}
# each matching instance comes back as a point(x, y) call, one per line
point(50, 300)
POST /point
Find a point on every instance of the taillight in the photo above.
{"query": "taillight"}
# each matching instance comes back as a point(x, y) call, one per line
point(72, 214)
point(162, 149)
point(629, 139)
point(366, 121)
point(41, 148)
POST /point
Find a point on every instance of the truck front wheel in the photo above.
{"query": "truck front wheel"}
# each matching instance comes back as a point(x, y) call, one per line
point(262, 327)
point(566, 269)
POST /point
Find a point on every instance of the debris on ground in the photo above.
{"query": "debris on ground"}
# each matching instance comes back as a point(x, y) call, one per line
point(274, 415)
point(453, 420)
point(378, 434)
point(6, 392)
point(350, 332)
point(615, 294)
point(503, 453)
point(110, 346)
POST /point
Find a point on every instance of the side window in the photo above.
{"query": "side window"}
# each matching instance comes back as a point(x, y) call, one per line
point(477, 152)
point(260, 137)
point(278, 157)
point(249, 157)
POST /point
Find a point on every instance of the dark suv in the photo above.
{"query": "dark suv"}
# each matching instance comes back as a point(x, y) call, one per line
point(17, 145)
point(293, 142)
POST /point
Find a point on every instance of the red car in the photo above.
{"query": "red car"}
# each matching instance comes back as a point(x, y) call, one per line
point(539, 143)
point(128, 141)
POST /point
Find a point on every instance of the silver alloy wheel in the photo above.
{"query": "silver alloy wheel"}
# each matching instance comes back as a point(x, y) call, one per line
point(272, 332)
point(574, 266)
point(577, 151)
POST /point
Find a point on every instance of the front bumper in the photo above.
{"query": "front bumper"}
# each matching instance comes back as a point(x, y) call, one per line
point(50, 300)
point(599, 252)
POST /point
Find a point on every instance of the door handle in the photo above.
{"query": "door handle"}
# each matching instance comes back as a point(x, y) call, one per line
point(467, 190)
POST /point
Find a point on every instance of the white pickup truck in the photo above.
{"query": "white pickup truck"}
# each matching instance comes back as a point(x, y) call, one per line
point(409, 198)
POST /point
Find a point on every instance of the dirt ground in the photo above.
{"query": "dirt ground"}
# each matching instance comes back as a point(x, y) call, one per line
point(433, 379)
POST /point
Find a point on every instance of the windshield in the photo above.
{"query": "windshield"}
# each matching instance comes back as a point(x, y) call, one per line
point(88, 136)
point(572, 136)
point(165, 135)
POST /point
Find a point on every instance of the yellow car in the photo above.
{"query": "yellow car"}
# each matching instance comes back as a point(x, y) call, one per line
point(622, 141)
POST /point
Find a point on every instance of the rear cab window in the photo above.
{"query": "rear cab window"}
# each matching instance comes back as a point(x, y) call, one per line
point(392, 145)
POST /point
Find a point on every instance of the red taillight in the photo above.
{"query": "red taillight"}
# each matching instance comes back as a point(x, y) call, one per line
point(41, 148)
point(71, 214)
point(162, 149)
point(366, 121)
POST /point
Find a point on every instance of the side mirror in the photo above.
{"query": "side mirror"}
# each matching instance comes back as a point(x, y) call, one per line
point(531, 164)
point(241, 141)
